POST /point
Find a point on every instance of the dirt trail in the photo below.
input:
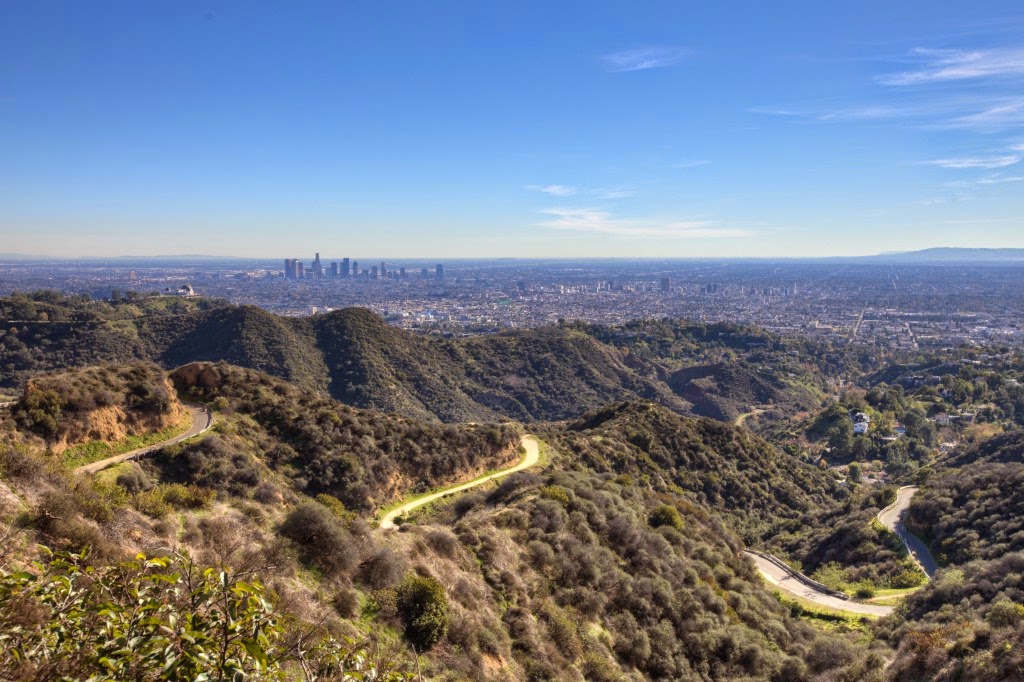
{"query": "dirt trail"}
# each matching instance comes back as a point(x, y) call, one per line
point(202, 419)
point(531, 458)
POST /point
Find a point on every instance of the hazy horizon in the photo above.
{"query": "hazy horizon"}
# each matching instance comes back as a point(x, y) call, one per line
point(952, 252)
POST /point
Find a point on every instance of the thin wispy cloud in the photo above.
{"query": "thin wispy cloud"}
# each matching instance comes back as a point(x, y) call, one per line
point(956, 65)
point(654, 57)
point(945, 93)
point(870, 113)
point(596, 221)
point(614, 193)
point(993, 116)
point(1000, 179)
point(988, 162)
point(977, 221)
point(554, 190)
point(691, 164)
point(777, 111)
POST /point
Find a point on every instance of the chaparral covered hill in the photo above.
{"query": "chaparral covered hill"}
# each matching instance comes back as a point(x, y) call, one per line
point(554, 372)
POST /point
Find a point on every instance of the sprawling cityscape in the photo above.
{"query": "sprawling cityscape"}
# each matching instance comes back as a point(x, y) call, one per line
point(898, 305)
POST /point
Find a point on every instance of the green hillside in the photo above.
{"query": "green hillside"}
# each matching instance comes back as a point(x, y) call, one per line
point(554, 372)
point(718, 466)
point(567, 572)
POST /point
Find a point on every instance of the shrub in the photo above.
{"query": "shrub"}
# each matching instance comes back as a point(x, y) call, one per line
point(321, 537)
point(159, 501)
point(346, 602)
point(384, 603)
point(865, 590)
point(18, 464)
point(556, 493)
point(666, 515)
point(443, 542)
point(383, 568)
point(423, 607)
point(1004, 613)
point(336, 506)
point(134, 479)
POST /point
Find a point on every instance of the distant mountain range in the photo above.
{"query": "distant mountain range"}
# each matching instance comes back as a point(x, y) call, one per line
point(948, 255)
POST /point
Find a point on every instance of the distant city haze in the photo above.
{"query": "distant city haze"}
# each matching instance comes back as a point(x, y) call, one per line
point(661, 130)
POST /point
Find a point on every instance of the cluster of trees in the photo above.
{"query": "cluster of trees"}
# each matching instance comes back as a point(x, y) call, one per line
point(976, 510)
point(361, 457)
point(46, 331)
point(681, 343)
point(966, 624)
point(847, 549)
point(988, 384)
point(50, 403)
point(718, 466)
point(833, 429)
point(550, 373)
point(606, 580)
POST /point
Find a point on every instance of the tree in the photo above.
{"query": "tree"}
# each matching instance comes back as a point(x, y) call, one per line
point(855, 472)
point(840, 439)
point(423, 607)
point(160, 619)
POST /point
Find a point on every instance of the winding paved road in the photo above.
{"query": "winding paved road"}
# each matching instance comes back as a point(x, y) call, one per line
point(531, 458)
point(202, 419)
point(785, 580)
point(892, 518)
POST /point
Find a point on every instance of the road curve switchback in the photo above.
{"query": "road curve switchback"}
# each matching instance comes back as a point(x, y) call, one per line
point(785, 580)
point(202, 419)
point(531, 458)
point(892, 518)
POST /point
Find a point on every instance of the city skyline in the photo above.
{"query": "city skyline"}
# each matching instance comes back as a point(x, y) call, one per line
point(593, 130)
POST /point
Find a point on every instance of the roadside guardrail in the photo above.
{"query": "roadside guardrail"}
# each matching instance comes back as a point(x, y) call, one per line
point(814, 584)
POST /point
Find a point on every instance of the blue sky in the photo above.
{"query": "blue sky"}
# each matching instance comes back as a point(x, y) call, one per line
point(459, 129)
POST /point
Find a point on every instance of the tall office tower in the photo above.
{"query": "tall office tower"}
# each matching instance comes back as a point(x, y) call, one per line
point(666, 285)
point(355, 268)
point(383, 271)
point(300, 270)
point(334, 271)
point(439, 273)
point(344, 267)
point(289, 268)
point(424, 272)
point(318, 270)
point(401, 273)
point(373, 272)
